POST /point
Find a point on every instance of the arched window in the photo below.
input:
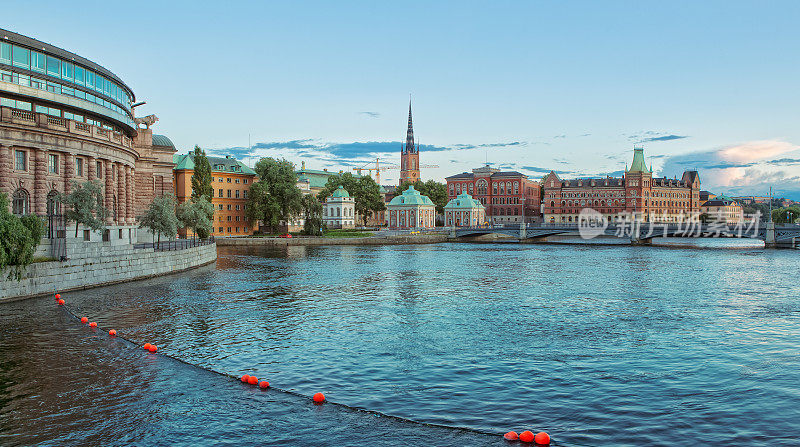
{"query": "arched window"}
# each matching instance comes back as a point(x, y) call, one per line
point(470, 188)
point(53, 204)
point(20, 202)
point(482, 187)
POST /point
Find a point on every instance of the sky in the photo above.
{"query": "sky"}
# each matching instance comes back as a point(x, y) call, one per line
point(568, 86)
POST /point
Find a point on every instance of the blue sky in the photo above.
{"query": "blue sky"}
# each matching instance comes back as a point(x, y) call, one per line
point(531, 86)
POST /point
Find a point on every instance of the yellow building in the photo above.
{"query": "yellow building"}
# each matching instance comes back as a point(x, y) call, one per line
point(231, 183)
point(723, 209)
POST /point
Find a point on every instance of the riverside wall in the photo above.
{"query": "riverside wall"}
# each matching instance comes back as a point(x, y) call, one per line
point(93, 264)
point(373, 240)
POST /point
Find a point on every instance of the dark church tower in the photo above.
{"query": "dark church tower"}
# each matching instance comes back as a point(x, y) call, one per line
point(409, 155)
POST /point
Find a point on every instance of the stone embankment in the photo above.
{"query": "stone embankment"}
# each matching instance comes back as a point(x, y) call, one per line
point(373, 240)
point(93, 264)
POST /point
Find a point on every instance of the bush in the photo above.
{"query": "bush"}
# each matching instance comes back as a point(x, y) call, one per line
point(19, 237)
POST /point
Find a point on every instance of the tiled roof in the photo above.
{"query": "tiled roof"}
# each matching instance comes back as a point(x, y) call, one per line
point(463, 201)
point(218, 164)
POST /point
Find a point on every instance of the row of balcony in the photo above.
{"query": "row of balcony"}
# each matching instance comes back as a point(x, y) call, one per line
point(43, 120)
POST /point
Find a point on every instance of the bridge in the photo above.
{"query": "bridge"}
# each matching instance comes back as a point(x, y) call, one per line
point(644, 232)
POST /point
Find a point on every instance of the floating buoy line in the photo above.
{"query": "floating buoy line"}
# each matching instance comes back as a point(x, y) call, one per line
point(526, 437)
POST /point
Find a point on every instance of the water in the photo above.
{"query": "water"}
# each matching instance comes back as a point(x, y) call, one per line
point(597, 345)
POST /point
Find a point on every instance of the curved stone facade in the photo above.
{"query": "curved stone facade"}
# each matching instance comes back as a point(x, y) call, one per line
point(65, 118)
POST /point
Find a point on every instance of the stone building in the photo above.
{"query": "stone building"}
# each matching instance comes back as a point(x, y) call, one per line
point(636, 193)
point(64, 118)
point(723, 209)
point(411, 210)
point(464, 211)
point(508, 196)
point(339, 210)
point(231, 181)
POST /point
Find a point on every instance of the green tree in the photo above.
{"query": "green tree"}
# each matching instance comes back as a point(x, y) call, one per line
point(19, 237)
point(435, 191)
point(275, 196)
point(786, 215)
point(84, 205)
point(365, 193)
point(197, 214)
point(202, 177)
point(160, 217)
point(312, 212)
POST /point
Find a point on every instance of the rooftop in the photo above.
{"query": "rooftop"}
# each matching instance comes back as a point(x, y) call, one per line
point(463, 201)
point(218, 164)
point(411, 197)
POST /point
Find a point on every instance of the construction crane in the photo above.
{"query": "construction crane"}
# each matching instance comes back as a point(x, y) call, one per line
point(385, 167)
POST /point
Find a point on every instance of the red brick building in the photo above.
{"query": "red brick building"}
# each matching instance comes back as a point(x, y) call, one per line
point(635, 193)
point(507, 195)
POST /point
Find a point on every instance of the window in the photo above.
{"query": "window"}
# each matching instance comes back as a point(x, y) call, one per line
point(229, 192)
point(220, 207)
point(229, 229)
point(245, 181)
point(237, 229)
point(20, 202)
point(237, 207)
point(20, 161)
point(229, 179)
point(229, 219)
point(220, 193)
point(52, 164)
point(245, 193)
point(79, 166)
point(237, 180)
point(220, 179)
point(5, 53)
point(21, 57)
point(220, 230)
point(229, 207)
point(99, 171)
point(53, 66)
point(237, 220)
point(237, 193)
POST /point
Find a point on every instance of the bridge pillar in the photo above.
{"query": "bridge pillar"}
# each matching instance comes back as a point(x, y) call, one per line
point(523, 230)
point(769, 240)
point(453, 231)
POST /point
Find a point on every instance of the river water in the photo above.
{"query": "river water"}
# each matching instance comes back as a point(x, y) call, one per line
point(597, 345)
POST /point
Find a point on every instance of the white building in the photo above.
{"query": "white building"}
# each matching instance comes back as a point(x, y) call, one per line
point(339, 210)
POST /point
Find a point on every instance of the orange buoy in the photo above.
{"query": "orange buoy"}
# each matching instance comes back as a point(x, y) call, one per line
point(92, 324)
point(511, 436)
point(319, 398)
point(542, 438)
point(84, 320)
point(60, 302)
point(146, 346)
point(252, 380)
point(526, 436)
point(112, 332)
point(153, 348)
point(58, 296)
point(264, 384)
point(245, 378)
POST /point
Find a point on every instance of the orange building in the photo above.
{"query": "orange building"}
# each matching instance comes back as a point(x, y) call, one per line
point(231, 183)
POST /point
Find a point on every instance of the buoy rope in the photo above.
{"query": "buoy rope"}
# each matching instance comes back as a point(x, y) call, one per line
point(297, 394)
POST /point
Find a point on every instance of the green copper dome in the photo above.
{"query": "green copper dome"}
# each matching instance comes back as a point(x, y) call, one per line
point(411, 197)
point(340, 192)
point(463, 201)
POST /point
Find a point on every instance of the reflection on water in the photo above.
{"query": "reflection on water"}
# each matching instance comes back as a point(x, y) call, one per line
point(600, 345)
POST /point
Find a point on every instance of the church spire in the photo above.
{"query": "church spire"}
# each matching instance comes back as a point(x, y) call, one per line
point(410, 147)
